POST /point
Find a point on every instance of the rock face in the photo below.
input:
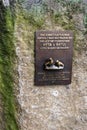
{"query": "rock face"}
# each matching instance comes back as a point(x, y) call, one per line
point(6, 2)
point(51, 107)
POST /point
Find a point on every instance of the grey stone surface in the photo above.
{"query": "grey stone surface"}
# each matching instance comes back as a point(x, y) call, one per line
point(6, 2)
point(49, 107)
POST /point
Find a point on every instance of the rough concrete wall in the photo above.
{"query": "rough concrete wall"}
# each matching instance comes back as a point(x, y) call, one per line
point(50, 107)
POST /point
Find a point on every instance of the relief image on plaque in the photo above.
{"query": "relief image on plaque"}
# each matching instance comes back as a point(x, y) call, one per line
point(53, 57)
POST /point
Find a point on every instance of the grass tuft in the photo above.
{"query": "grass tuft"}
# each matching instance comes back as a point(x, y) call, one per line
point(7, 57)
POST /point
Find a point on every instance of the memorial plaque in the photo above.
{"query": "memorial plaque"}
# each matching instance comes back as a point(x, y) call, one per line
point(53, 57)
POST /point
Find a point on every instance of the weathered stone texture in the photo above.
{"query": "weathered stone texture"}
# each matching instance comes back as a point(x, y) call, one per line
point(49, 107)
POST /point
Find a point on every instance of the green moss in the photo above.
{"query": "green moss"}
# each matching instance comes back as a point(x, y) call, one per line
point(7, 57)
point(34, 17)
point(67, 23)
point(35, 21)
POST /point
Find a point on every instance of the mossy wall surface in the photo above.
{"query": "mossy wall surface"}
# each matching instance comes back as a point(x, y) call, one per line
point(7, 61)
point(50, 107)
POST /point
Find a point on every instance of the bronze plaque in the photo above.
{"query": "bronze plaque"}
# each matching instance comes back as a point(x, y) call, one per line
point(53, 57)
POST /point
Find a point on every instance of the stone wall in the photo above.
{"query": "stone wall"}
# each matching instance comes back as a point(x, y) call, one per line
point(51, 107)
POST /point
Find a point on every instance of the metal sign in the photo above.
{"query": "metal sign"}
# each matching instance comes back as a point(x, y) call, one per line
point(53, 57)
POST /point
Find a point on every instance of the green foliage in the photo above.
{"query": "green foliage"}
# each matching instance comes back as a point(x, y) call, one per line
point(67, 23)
point(64, 20)
point(7, 57)
point(34, 15)
point(74, 6)
point(33, 19)
point(36, 21)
